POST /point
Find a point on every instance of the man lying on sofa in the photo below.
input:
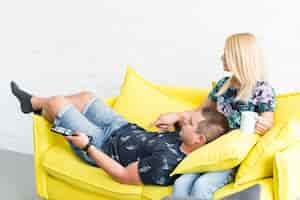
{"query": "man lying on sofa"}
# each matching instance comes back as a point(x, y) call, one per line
point(127, 152)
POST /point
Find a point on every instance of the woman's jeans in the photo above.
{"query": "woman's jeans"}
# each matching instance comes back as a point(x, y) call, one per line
point(201, 185)
point(97, 120)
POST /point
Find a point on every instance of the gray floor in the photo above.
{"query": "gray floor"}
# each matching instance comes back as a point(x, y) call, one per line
point(17, 176)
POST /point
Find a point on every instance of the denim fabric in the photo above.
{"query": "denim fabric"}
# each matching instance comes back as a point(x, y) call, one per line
point(97, 120)
point(201, 185)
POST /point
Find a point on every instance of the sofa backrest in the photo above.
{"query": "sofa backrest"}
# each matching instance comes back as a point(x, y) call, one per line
point(287, 104)
point(287, 107)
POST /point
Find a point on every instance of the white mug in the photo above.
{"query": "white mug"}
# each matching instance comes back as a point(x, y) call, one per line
point(248, 122)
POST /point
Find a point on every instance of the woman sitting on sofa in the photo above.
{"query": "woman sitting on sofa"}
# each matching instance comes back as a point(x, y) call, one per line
point(246, 90)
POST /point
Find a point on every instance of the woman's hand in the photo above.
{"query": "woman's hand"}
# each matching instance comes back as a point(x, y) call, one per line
point(166, 121)
point(264, 123)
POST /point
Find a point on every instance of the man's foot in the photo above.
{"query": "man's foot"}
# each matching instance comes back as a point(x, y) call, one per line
point(24, 99)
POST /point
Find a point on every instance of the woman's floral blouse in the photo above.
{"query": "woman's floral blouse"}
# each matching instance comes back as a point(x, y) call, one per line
point(262, 100)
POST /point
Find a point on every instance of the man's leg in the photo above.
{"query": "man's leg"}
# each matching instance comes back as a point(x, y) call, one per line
point(205, 186)
point(51, 106)
point(85, 102)
point(103, 116)
point(183, 185)
point(87, 114)
point(65, 111)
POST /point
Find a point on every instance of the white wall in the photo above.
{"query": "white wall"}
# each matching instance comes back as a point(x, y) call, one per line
point(61, 46)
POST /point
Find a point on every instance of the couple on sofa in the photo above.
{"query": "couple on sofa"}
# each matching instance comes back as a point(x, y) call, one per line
point(132, 155)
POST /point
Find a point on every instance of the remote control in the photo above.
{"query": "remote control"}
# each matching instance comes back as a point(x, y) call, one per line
point(62, 131)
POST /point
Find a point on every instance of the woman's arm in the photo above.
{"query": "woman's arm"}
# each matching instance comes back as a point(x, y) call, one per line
point(265, 123)
point(266, 101)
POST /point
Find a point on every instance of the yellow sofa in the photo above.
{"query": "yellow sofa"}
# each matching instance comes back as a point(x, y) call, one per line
point(60, 175)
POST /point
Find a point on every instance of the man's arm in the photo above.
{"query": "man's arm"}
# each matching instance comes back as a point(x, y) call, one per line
point(167, 120)
point(125, 175)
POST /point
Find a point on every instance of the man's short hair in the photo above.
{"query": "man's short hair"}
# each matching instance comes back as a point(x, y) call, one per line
point(214, 124)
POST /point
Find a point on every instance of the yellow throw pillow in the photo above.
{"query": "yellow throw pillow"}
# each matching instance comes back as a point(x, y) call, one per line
point(226, 152)
point(264, 191)
point(141, 102)
point(194, 96)
point(259, 162)
point(286, 174)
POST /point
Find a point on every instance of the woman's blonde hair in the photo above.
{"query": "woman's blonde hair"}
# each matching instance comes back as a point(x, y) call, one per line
point(244, 59)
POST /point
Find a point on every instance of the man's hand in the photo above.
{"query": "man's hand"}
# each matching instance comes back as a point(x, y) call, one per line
point(78, 139)
point(125, 175)
point(166, 121)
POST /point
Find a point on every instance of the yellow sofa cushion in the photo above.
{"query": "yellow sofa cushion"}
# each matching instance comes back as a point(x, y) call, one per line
point(265, 186)
point(286, 174)
point(142, 102)
point(58, 189)
point(226, 152)
point(156, 192)
point(259, 162)
point(194, 96)
point(62, 164)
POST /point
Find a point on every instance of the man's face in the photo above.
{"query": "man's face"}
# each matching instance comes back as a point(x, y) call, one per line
point(189, 125)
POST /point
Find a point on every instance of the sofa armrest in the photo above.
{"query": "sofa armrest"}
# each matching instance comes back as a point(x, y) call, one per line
point(286, 174)
point(42, 141)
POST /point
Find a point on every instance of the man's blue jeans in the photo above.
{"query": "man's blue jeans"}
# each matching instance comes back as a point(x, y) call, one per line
point(97, 120)
point(201, 185)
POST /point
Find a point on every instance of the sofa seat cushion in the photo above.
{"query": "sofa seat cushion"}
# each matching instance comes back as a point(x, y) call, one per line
point(62, 164)
point(156, 192)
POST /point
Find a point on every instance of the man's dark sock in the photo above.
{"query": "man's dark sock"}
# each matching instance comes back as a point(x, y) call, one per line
point(24, 99)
